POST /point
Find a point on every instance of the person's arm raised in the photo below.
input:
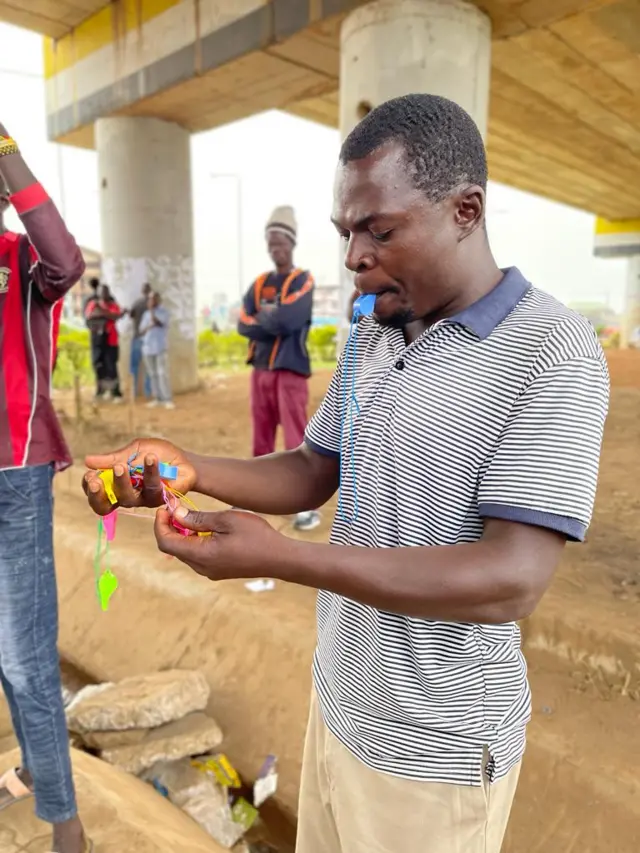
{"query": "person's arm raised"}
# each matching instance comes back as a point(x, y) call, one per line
point(56, 262)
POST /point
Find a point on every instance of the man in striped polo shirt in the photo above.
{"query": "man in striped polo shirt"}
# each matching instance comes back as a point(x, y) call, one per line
point(463, 431)
point(36, 270)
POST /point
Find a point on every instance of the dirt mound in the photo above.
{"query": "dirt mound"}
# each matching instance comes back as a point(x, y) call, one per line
point(120, 812)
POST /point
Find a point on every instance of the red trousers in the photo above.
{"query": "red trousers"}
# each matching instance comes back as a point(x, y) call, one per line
point(278, 397)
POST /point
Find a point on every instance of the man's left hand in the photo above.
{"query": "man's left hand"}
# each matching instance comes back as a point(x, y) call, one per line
point(242, 545)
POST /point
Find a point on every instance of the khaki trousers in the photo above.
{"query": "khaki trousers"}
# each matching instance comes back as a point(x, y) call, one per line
point(345, 807)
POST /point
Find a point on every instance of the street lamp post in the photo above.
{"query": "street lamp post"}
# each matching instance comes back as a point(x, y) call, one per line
point(239, 221)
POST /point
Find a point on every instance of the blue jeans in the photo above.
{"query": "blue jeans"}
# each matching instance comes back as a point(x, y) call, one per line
point(136, 362)
point(29, 663)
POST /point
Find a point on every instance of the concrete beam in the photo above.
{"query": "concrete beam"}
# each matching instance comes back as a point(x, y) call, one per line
point(564, 117)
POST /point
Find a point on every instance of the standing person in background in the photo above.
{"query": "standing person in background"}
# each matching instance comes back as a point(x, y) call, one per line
point(102, 314)
point(136, 361)
point(112, 312)
point(36, 271)
point(154, 329)
point(95, 324)
point(276, 317)
point(94, 284)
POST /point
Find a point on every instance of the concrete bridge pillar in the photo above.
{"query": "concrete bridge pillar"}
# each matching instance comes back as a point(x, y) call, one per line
point(147, 234)
point(399, 47)
point(630, 329)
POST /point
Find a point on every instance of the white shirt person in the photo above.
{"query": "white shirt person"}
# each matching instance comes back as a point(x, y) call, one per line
point(154, 330)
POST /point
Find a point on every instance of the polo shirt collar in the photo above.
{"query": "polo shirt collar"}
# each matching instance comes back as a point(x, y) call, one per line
point(487, 313)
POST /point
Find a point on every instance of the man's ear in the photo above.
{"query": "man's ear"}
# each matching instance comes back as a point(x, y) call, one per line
point(469, 210)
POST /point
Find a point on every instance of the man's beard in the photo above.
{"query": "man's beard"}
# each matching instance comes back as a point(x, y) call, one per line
point(398, 320)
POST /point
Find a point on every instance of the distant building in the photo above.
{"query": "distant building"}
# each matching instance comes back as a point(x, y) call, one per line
point(600, 316)
point(326, 305)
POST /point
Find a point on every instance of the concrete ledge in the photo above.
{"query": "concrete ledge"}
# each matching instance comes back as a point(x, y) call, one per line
point(120, 812)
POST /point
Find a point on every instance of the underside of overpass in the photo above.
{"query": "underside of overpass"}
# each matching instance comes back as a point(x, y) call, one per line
point(564, 110)
point(554, 86)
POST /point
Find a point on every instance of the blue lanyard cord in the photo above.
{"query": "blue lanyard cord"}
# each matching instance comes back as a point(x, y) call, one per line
point(350, 408)
point(349, 403)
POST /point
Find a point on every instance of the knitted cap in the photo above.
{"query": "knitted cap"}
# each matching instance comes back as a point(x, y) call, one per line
point(283, 221)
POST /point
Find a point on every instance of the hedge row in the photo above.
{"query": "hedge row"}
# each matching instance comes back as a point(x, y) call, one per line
point(226, 349)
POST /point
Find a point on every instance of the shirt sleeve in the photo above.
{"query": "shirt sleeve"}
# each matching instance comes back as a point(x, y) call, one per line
point(56, 262)
point(294, 310)
point(323, 433)
point(543, 469)
point(248, 325)
point(144, 323)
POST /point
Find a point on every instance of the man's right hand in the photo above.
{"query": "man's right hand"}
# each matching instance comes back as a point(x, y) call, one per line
point(147, 452)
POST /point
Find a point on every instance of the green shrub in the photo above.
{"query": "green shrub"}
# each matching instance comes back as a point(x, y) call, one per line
point(221, 349)
point(322, 343)
point(226, 349)
point(74, 358)
point(229, 349)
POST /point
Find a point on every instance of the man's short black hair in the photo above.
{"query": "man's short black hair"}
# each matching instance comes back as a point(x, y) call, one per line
point(442, 143)
point(94, 283)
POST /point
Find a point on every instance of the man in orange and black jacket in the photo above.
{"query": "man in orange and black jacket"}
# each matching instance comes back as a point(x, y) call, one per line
point(276, 318)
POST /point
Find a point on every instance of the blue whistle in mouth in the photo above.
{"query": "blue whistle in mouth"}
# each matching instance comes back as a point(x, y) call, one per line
point(364, 305)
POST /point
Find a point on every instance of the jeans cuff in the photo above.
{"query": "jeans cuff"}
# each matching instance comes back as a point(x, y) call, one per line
point(59, 817)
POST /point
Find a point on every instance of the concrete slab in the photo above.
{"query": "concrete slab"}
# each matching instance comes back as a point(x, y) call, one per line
point(120, 812)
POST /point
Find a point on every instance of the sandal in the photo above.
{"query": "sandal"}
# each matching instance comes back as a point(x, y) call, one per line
point(12, 783)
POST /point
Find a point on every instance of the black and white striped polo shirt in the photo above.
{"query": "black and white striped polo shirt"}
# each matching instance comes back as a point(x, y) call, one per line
point(496, 412)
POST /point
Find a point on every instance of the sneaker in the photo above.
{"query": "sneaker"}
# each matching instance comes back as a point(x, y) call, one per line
point(307, 520)
point(118, 401)
point(169, 405)
point(152, 404)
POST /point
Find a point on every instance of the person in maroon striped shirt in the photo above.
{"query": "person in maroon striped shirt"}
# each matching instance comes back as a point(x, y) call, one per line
point(36, 270)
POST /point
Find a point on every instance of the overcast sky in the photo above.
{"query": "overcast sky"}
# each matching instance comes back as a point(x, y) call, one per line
point(273, 159)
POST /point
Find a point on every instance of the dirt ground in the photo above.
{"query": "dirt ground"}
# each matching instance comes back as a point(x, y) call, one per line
point(580, 788)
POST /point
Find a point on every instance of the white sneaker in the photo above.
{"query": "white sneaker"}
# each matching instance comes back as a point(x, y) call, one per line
point(152, 404)
point(117, 401)
point(307, 520)
point(169, 405)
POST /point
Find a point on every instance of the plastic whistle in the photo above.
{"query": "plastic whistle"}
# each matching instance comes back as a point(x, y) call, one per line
point(107, 478)
point(109, 525)
point(167, 472)
point(184, 531)
point(107, 585)
point(364, 305)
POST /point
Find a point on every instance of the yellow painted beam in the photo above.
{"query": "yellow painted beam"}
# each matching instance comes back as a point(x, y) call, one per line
point(617, 226)
point(98, 31)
